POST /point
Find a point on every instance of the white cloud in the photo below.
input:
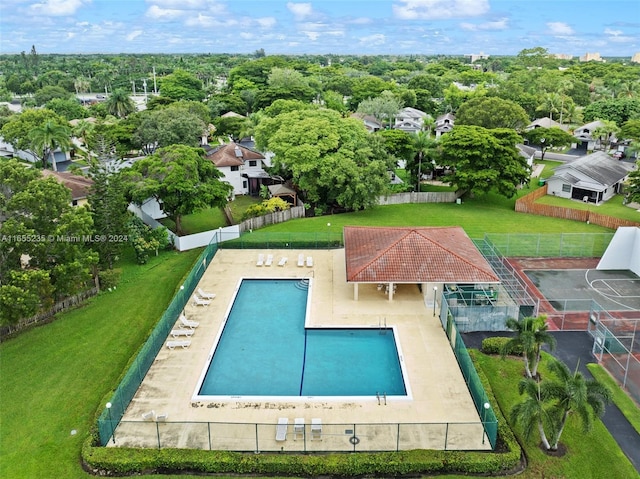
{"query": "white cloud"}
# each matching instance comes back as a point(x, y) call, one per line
point(300, 10)
point(617, 36)
point(360, 21)
point(133, 35)
point(375, 39)
point(266, 22)
point(439, 9)
point(313, 36)
point(559, 28)
point(58, 7)
point(615, 33)
point(501, 24)
point(158, 13)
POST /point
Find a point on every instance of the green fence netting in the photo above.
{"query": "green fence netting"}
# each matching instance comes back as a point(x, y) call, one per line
point(286, 240)
point(565, 245)
point(478, 394)
point(111, 416)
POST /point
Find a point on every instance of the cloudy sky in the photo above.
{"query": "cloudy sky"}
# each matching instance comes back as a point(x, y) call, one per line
point(455, 27)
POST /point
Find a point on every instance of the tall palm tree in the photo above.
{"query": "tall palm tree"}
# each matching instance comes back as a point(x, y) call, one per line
point(423, 145)
point(572, 393)
point(605, 132)
point(531, 413)
point(119, 104)
point(46, 138)
point(531, 335)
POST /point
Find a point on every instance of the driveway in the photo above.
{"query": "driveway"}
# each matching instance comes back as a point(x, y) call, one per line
point(574, 348)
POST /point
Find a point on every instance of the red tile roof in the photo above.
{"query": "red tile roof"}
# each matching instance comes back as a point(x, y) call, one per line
point(225, 155)
point(414, 255)
point(80, 186)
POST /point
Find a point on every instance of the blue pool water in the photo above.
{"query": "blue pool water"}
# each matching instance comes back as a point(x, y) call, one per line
point(264, 350)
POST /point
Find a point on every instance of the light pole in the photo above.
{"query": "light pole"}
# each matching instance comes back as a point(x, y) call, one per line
point(435, 292)
point(328, 235)
point(113, 429)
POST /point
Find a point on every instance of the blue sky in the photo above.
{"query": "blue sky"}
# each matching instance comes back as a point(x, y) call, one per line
point(453, 27)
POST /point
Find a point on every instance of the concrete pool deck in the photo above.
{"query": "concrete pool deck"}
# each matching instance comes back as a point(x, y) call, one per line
point(439, 392)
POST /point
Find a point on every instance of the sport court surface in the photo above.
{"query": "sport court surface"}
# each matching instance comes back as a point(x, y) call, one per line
point(439, 392)
point(613, 290)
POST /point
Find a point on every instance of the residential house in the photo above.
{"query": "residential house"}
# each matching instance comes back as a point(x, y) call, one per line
point(444, 124)
point(584, 135)
point(241, 166)
point(371, 123)
point(80, 186)
point(7, 150)
point(545, 122)
point(594, 178)
point(410, 120)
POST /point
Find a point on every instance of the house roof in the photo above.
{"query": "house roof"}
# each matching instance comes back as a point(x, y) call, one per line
point(545, 122)
point(590, 127)
point(598, 166)
point(232, 114)
point(413, 255)
point(526, 151)
point(79, 185)
point(411, 112)
point(232, 154)
point(280, 190)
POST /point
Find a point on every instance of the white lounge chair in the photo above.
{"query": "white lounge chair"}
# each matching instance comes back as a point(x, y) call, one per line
point(205, 295)
point(149, 416)
point(188, 323)
point(269, 260)
point(282, 261)
point(162, 417)
point(300, 260)
point(198, 301)
point(181, 343)
point(181, 332)
point(260, 261)
point(309, 261)
point(298, 427)
point(316, 428)
point(281, 429)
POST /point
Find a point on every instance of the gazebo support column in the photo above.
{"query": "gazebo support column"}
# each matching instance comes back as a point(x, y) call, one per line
point(355, 291)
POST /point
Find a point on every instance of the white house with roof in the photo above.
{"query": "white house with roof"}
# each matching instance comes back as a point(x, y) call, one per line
point(545, 122)
point(242, 167)
point(410, 120)
point(444, 124)
point(584, 134)
point(594, 178)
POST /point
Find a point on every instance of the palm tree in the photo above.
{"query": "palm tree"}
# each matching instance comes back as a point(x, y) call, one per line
point(532, 413)
point(531, 335)
point(605, 132)
point(119, 104)
point(46, 138)
point(550, 104)
point(572, 393)
point(423, 145)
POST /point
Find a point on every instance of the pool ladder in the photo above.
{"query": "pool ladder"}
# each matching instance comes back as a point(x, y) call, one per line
point(382, 325)
point(304, 282)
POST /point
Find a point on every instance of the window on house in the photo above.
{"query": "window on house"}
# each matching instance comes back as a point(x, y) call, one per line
point(566, 188)
point(244, 184)
point(253, 163)
point(235, 168)
point(74, 202)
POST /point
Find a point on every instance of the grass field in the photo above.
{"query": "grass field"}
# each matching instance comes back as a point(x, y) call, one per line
point(56, 377)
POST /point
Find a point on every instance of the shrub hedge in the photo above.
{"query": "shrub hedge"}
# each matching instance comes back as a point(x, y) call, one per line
point(494, 346)
point(124, 461)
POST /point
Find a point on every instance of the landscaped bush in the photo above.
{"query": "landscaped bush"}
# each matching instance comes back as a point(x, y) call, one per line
point(108, 278)
point(494, 346)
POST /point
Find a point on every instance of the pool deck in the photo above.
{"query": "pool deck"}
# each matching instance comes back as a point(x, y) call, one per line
point(439, 393)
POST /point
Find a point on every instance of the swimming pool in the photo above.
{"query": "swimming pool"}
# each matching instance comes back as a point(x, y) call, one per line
point(264, 350)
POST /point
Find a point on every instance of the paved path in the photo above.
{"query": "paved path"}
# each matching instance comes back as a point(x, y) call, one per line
point(574, 346)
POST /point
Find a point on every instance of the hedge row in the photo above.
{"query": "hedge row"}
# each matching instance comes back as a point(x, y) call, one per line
point(495, 345)
point(124, 461)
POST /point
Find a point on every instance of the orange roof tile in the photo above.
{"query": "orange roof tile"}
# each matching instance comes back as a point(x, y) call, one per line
point(80, 186)
point(414, 255)
point(225, 155)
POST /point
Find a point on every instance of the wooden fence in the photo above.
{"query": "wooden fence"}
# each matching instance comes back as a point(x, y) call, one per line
point(422, 197)
point(46, 316)
point(272, 218)
point(527, 204)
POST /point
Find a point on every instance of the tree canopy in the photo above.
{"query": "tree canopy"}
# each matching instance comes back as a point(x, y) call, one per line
point(332, 160)
point(182, 85)
point(484, 159)
point(492, 112)
point(546, 138)
point(180, 178)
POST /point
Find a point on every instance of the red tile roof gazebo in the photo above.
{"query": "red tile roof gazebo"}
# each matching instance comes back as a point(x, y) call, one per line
point(413, 255)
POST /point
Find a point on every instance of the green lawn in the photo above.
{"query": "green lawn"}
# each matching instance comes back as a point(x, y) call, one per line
point(585, 452)
point(612, 207)
point(212, 218)
point(549, 166)
point(55, 377)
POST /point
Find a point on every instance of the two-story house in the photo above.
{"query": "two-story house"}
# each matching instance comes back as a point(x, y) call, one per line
point(241, 166)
